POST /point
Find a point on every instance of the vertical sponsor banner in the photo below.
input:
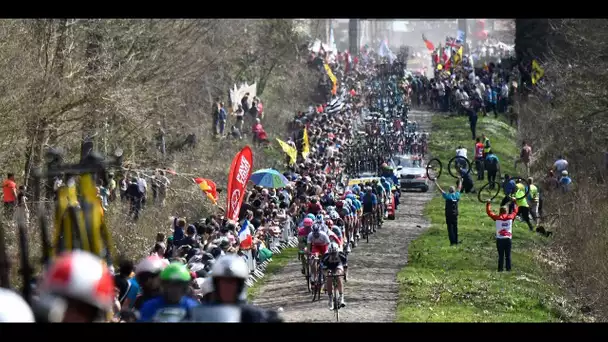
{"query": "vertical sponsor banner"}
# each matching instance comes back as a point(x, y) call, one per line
point(240, 171)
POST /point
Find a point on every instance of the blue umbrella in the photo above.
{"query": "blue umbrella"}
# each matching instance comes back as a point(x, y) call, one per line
point(269, 178)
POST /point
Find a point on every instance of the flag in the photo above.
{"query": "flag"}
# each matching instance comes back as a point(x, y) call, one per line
point(240, 171)
point(305, 145)
point(246, 241)
point(330, 74)
point(458, 56)
point(291, 151)
point(537, 72)
point(208, 187)
point(428, 43)
point(460, 37)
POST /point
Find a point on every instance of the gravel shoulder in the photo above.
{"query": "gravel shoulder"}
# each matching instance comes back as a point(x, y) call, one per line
point(372, 290)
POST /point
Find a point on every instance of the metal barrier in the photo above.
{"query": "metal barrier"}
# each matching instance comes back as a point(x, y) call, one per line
point(287, 238)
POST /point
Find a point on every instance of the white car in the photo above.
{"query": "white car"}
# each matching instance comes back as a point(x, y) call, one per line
point(411, 173)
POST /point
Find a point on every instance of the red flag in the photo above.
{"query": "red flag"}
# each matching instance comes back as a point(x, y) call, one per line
point(240, 171)
point(428, 43)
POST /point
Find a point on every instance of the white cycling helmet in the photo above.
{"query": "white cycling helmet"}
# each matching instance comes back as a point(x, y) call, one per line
point(333, 248)
point(151, 264)
point(230, 266)
point(334, 215)
point(80, 276)
point(14, 309)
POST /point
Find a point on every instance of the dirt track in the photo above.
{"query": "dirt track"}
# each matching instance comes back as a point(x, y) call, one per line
point(372, 290)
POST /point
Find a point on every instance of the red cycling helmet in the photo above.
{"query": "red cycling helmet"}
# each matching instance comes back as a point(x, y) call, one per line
point(308, 222)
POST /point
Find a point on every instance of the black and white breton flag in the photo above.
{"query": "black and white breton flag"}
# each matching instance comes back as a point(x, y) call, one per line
point(334, 106)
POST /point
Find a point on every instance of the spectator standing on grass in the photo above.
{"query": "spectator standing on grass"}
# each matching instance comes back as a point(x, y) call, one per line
point(451, 210)
point(240, 118)
point(222, 119)
point(143, 187)
point(134, 196)
point(472, 122)
point(524, 157)
point(22, 209)
point(112, 187)
point(9, 190)
point(504, 234)
point(479, 160)
point(561, 164)
point(215, 113)
point(491, 164)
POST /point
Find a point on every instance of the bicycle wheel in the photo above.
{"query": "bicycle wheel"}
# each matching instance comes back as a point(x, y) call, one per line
point(487, 192)
point(458, 162)
point(433, 169)
point(526, 186)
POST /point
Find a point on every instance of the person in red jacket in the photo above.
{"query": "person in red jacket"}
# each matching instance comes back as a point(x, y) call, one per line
point(504, 229)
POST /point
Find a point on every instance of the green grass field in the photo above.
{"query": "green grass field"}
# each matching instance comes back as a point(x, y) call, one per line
point(278, 262)
point(461, 284)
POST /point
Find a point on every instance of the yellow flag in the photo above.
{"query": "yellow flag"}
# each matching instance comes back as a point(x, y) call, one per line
point(290, 150)
point(330, 74)
point(458, 56)
point(537, 72)
point(305, 144)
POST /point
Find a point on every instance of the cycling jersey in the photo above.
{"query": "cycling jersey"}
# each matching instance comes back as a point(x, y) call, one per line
point(357, 204)
point(322, 239)
point(344, 212)
point(333, 262)
point(314, 208)
point(369, 202)
point(158, 310)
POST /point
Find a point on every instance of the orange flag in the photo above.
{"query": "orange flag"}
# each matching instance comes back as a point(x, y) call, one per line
point(208, 186)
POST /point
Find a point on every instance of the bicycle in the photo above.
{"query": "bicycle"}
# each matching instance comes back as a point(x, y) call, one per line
point(305, 259)
point(367, 224)
point(316, 289)
point(334, 281)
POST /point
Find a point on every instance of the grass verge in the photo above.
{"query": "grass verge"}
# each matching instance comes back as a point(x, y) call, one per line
point(460, 284)
point(278, 262)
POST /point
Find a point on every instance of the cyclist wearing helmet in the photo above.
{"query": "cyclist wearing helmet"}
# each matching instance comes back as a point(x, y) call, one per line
point(314, 207)
point(334, 233)
point(344, 212)
point(228, 277)
point(303, 233)
point(173, 305)
point(335, 261)
point(77, 288)
point(318, 242)
point(338, 222)
point(147, 275)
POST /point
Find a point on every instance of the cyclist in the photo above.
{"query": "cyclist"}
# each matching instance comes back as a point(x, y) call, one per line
point(77, 288)
point(303, 233)
point(147, 275)
point(334, 233)
point(228, 277)
point(344, 213)
point(335, 261)
point(173, 305)
point(370, 203)
point(318, 242)
point(314, 207)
